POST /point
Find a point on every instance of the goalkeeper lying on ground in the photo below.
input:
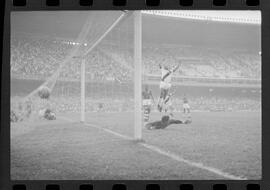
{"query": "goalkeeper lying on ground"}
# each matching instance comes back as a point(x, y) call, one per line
point(165, 122)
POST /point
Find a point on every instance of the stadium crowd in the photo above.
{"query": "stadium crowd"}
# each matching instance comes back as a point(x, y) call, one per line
point(40, 57)
point(201, 62)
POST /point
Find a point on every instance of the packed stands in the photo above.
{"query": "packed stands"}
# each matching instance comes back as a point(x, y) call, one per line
point(39, 57)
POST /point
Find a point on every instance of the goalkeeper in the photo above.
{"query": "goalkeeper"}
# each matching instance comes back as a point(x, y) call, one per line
point(164, 123)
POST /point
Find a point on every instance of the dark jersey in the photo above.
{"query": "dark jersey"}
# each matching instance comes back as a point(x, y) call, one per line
point(161, 124)
point(185, 100)
point(49, 115)
point(147, 95)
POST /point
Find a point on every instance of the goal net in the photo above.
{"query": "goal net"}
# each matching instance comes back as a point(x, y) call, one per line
point(89, 78)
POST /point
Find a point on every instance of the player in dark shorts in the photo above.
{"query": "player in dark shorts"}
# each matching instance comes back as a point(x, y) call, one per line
point(164, 123)
point(47, 114)
point(147, 102)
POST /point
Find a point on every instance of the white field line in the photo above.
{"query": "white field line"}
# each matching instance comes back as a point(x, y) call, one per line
point(172, 155)
point(191, 163)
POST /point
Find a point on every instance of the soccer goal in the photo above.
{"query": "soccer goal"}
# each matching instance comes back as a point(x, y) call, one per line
point(94, 76)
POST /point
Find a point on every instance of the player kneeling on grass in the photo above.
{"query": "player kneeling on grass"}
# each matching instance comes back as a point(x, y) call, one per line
point(164, 123)
point(147, 103)
point(47, 114)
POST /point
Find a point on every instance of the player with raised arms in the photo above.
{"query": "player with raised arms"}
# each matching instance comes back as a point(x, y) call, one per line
point(165, 83)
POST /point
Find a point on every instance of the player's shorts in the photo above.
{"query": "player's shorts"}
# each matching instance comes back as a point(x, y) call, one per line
point(147, 102)
point(165, 85)
point(186, 106)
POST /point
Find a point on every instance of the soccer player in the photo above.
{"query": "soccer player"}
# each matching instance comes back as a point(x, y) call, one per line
point(147, 102)
point(186, 107)
point(167, 106)
point(164, 123)
point(47, 113)
point(165, 83)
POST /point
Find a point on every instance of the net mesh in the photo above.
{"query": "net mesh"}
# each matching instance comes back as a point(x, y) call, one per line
point(105, 42)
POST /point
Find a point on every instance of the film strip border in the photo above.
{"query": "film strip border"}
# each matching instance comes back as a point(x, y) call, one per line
point(136, 4)
point(135, 186)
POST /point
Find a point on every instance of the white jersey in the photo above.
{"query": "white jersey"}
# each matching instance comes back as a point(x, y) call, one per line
point(167, 106)
point(166, 75)
point(167, 100)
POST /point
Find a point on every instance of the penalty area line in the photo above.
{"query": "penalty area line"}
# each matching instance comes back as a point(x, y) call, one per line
point(110, 131)
point(191, 163)
point(173, 156)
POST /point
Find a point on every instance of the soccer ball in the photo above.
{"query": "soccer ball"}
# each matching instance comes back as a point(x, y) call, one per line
point(44, 92)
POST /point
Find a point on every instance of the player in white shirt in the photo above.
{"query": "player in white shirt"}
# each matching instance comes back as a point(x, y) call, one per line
point(165, 83)
point(167, 105)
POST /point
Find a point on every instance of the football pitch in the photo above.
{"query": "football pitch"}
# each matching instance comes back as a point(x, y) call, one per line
point(216, 145)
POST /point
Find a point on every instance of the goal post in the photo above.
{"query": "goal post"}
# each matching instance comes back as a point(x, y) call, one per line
point(91, 77)
point(83, 59)
point(138, 122)
point(137, 61)
point(83, 90)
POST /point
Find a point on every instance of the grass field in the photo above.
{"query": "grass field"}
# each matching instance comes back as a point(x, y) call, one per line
point(216, 145)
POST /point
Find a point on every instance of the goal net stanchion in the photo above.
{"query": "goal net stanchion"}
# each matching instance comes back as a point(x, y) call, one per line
point(66, 79)
point(94, 74)
point(50, 83)
point(137, 61)
point(111, 27)
point(138, 122)
point(32, 99)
